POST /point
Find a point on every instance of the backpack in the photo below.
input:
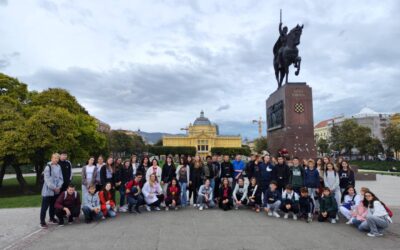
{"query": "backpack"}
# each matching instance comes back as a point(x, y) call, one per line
point(390, 212)
point(42, 175)
point(75, 194)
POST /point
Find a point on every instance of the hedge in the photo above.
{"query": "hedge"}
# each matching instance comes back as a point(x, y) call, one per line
point(231, 151)
point(377, 165)
point(166, 150)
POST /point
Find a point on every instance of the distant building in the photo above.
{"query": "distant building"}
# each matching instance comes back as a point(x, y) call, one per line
point(395, 119)
point(203, 135)
point(323, 129)
point(102, 126)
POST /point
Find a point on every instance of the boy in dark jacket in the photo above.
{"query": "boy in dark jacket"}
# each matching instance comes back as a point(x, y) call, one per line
point(296, 177)
point(133, 190)
point(227, 170)
point(290, 202)
point(281, 173)
point(311, 180)
point(272, 200)
point(328, 207)
point(68, 204)
point(306, 205)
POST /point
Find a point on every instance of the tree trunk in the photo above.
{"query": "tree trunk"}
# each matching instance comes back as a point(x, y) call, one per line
point(20, 178)
point(2, 173)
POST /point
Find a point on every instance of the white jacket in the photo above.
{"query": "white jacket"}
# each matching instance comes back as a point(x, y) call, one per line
point(150, 192)
point(331, 180)
point(150, 171)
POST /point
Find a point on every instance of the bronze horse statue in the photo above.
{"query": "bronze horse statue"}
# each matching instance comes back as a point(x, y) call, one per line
point(286, 53)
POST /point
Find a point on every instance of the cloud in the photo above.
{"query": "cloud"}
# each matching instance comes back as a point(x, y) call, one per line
point(223, 107)
point(156, 64)
point(3, 3)
point(6, 59)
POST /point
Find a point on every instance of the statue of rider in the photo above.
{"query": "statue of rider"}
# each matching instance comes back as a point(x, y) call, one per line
point(280, 43)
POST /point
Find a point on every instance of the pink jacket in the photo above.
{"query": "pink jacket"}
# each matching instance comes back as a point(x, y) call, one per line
point(360, 212)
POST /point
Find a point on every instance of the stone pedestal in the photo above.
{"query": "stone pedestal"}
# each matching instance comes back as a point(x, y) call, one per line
point(290, 122)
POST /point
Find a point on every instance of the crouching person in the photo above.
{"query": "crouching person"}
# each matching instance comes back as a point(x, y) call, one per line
point(133, 190)
point(306, 204)
point(205, 196)
point(68, 204)
point(91, 205)
point(272, 200)
point(153, 194)
point(107, 201)
point(290, 202)
point(328, 207)
point(240, 194)
point(173, 198)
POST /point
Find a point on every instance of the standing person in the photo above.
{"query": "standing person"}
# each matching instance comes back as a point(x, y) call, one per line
point(107, 202)
point(254, 195)
point(205, 196)
point(346, 176)
point(377, 219)
point(208, 170)
point(328, 206)
point(311, 181)
point(117, 164)
point(296, 178)
point(100, 163)
point(89, 176)
point(217, 175)
point(168, 173)
point(173, 197)
point(239, 194)
point(190, 163)
point(225, 195)
point(66, 169)
point(144, 166)
point(266, 173)
point(227, 169)
point(349, 202)
point(152, 193)
point(134, 164)
point(133, 190)
point(125, 174)
point(281, 173)
point(331, 180)
point(290, 202)
point(154, 169)
point(249, 168)
point(197, 177)
point(107, 173)
point(272, 200)
point(91, 205)
point(53, 181)
point(338, 163)
point(306, 205)
point(238, 167)
point(183, 176)
point(68, 204)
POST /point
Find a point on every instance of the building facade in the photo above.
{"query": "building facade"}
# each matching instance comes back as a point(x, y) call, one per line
point(203, 135)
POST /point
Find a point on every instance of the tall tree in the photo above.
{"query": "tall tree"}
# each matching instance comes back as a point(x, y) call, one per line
point(260, 144)
point(323, 146)
point(392, 137)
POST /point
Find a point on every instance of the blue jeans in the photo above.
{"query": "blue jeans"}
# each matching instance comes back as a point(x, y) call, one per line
point(91, 215)
point(110, 212)
point(122, 195)
point(356, 222)
point(183, 193)
point(212, 184)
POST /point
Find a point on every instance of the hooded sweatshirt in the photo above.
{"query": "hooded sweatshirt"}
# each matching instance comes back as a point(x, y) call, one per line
point(328, 204)
point(240, 192)
point(92, 200)
point(296, 176)
point(271, 197)
point(331, 180)
point(311, 178)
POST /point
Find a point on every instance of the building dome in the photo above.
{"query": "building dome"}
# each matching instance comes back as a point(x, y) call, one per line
point(202, 121)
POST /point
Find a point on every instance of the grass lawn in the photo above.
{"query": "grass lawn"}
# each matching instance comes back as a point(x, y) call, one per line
point(377, 165)
point(11, 195)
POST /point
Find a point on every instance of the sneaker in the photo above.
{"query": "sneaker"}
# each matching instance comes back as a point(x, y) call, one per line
point(157, 208)
point(294, 217)
point(276, 214)
point(60, 225)
point(206, 206)
point(166, 208)
point(44, 225)
point(337, 217)
point(53, 221)
point(236, 207)
point(176, 208)
point(286, 216)
point(333, 221)
point(371, 235)
point(269, 213)
point(70, 220)
point(201, 208)
point(309, 219)
point(194, 205)
point(349, 222)
point(103, 218)
point(148, 208)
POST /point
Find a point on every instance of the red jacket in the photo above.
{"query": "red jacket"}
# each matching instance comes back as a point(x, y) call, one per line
point(103, 201)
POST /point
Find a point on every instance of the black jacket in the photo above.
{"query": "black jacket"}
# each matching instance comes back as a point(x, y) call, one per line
point(249, 169)
point(282, 173)
point(227, 169)
point(168, 173)
point(209, 170)
point(66, 170)
point(103, 177)
point(124, 175)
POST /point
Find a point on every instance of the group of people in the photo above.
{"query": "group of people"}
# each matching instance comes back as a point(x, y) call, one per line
point(302, 189)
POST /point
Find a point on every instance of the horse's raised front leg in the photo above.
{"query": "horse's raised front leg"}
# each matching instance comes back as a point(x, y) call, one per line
point(298, 63)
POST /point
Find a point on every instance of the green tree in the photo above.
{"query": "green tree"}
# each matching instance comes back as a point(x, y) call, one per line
point(323, 146)
point(260, 144)
point(391, 136)
point(123, 144)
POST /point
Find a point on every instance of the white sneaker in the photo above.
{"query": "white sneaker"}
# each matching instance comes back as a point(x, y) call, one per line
point(201, 208)
point(166, 208)
point(349, 222)
point(337, 217)
point(236, 207)
point(286, 216)
point(148, 208)
point(371, 235)
point(194, 205)
point(176, 208)
point(333, 221)
point(206, 206)
point(276, 214)
point(157, 208)
point(294, 217)
point(269, 213)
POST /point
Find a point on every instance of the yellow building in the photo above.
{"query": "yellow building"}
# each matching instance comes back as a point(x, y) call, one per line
point(204, 136)
point(395, 119)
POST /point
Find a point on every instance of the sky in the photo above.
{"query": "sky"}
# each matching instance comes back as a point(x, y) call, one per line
point(154, 65)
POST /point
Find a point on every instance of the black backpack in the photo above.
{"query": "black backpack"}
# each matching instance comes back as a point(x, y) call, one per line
point(42, 175)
